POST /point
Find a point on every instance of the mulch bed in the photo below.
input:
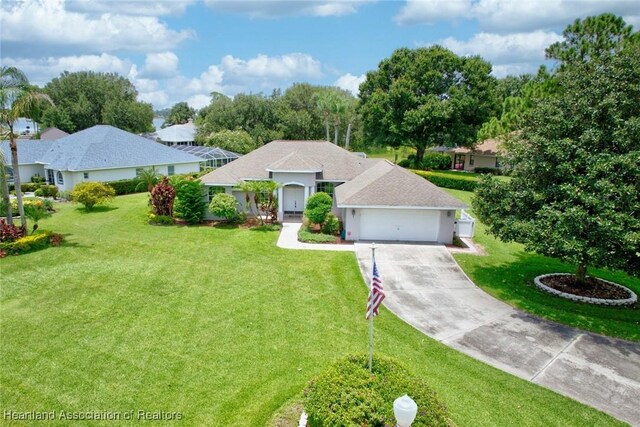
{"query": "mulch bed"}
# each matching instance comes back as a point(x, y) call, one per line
point(593, 288)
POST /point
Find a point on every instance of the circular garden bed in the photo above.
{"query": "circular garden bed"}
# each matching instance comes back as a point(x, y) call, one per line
point(595, 291)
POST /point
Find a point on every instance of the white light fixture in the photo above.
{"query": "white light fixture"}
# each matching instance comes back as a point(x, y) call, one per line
point(405, 410)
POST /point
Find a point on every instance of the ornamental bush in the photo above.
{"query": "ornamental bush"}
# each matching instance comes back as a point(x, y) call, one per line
point(190, 204)
point(331, 225)
point(225, 206)
point(91, 193)
point(126, 186)
point(162, 197)
point(36, 241)
point(347, 394)
point(318, 207)
point(10, 232)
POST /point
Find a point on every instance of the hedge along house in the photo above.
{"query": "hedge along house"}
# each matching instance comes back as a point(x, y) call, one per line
point(102, 153)
point(375, 199)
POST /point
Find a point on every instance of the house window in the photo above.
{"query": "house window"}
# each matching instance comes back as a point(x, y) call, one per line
point(471, 159)
point(215, 190)
point(458, 161)
point(50, 177)
point(171, 170)
point(60, 178)
point(86, 175)
point(138, 172)
point(326, 187)
point(497, 162)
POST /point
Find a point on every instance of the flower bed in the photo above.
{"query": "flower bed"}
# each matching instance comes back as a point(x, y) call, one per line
point(600, 291)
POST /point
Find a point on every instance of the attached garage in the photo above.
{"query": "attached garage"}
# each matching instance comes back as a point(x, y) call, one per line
point(399, 225)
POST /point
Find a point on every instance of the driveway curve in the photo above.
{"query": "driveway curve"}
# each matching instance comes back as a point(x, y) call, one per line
point(426, 288)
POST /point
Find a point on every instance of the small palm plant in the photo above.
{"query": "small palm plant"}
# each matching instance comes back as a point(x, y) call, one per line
point(35, 211)
point(148, 177)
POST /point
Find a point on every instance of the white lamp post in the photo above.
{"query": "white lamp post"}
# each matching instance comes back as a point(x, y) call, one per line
point(405, 410)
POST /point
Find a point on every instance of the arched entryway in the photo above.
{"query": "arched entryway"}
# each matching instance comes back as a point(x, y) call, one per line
point(293, 199)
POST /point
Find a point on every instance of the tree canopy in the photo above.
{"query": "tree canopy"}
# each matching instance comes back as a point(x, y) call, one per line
point(179, 114)
point(425, 97)
point(85, 99)
point(575, 187)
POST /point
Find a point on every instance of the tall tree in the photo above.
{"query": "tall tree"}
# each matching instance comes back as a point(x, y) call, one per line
point(575, 187)
point(17, 99)
point(179, 114)
point(85, 99)
point(427, 96)
point(594, 38)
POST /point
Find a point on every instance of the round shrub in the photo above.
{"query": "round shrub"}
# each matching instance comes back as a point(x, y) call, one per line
point(331, 225)
point(90, 193)
point(347, 394)
point(190, 204)
point(318, 207)
point(225, 206)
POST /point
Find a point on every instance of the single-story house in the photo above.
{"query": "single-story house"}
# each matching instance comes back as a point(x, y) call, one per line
point(100, 153)
point(184, 134)
point(485, 155)
point(375, 199)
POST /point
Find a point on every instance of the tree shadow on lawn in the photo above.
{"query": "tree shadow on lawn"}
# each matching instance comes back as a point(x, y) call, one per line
point(96, 209)
point(512, 282)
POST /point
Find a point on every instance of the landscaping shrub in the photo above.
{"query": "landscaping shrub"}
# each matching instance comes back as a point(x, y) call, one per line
point(430, 161)
point(492, 171)
point(307, 236)
point(162, 197)
point(91, 193)
point(35, 210)
point(160, 219)
point(29, 187)
point(38, 193)
point(225, 206)
point(331, 225)
point(37, 179)
point(36, 241)
point(318, 207)
point(347, 394)
point(126, 186)
point(449, 181)
point(190, 204)
point(47, 191)
point(10, 232)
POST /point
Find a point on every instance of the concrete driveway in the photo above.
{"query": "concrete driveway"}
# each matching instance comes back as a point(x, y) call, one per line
point(426, 288)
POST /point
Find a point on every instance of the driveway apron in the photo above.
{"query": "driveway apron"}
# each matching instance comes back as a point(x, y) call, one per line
point(426, 288)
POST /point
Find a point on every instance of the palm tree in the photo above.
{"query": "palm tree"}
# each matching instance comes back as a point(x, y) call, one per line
point(17, 99)
point(148, 177)
point(4, 188)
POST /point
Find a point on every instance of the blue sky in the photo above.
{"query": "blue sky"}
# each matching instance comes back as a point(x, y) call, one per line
point(182, 50)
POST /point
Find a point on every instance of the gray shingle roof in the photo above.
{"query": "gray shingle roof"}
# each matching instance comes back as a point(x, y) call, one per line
point(337, 163)
point(393, 186)
point(177, 133)
point(105, 147)
point(295, 162)
point(30, 151)
point(53, 133)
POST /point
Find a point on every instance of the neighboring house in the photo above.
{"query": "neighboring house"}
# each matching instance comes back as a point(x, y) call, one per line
point(177, 135)
point(100, 153)
point(375, 199)
point(213, 157)
point(52, 133)
point(485, 155)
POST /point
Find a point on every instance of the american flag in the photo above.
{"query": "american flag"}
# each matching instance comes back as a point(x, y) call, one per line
point(376, 294)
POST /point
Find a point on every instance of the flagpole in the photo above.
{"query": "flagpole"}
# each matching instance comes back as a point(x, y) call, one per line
point(373, 259)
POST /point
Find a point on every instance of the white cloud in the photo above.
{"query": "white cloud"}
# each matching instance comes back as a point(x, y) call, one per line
point(34, 26)
point(42, 70)
point(499, 49)
point(514, 69)
point(500, 16)
point(163, 64)
point(276, 9)
point(293, 65)
point(350, 82)
point(429, 12)
point(138, 7)
point(198, 101)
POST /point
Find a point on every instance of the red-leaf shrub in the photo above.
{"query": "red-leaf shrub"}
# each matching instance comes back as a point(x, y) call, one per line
point(162, 197)
point(10, 232)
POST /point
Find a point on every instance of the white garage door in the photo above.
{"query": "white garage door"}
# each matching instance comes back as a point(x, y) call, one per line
point(399, 224)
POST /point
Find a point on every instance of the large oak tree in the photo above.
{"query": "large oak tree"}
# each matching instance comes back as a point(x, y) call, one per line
point(426, 97)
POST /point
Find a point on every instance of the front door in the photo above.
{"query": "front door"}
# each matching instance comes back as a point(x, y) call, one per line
point(293, 199)
point(458, 162)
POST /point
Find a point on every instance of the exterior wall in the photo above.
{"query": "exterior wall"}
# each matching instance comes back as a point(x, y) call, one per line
point(306, 179)
point(27, 171)
point(447, 224)
point(480, 162)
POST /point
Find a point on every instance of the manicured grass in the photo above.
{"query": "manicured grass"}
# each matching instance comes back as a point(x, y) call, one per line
point(218, 324)
point(391, 154)
point(508, 271)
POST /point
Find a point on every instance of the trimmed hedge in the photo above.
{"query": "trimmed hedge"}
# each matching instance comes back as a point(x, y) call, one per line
point(347, 394)
point(448, 181)
point(126, 186)
point(492, 171)
point(305, 235)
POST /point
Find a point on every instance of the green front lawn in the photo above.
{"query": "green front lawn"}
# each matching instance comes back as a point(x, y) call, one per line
point(508, 271)
point(217, 324)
